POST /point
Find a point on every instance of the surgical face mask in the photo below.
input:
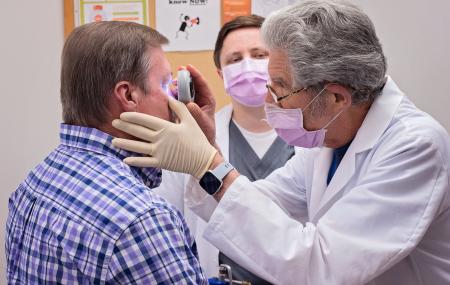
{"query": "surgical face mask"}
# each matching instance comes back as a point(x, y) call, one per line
point(245, 81)
point(288, 123)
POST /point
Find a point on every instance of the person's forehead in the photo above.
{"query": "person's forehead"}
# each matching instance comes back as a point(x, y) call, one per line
point(278, 66)
point(243, 38)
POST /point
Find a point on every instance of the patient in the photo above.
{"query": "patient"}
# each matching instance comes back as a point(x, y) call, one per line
point(82, 215)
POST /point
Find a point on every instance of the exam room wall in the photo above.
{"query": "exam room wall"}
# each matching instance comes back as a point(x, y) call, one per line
point(31, 39)
point(413, 34)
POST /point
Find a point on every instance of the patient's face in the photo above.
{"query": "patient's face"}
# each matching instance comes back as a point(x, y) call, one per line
point(155, 103)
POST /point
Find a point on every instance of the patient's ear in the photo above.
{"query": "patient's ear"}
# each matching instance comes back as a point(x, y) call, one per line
point(126, 96)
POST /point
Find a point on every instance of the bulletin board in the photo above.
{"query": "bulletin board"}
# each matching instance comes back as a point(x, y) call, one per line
point(203, 60)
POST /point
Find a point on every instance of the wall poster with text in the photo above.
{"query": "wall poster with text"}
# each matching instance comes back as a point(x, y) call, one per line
point(88, 11)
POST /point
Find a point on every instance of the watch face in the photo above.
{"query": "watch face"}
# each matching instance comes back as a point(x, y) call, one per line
point(210, 183)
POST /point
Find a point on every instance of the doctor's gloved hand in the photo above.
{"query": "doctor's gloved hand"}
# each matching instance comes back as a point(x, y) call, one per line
point(180, 147)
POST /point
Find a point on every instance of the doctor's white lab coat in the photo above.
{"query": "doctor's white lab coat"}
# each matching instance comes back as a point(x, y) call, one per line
point(383, 219)
point(173, 186)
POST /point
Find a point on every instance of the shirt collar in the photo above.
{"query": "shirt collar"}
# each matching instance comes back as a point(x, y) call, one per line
point(99, 142)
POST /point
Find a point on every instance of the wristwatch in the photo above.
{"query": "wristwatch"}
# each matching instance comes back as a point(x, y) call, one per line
point(212, 180)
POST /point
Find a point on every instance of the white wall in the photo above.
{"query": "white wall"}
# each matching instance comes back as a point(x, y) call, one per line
point(30, 47)
point(414, 35)
point(416, 40)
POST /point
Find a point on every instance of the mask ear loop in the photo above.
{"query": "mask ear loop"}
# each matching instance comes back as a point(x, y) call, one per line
point(335, 116)
point(332, 120)
point(315, 97)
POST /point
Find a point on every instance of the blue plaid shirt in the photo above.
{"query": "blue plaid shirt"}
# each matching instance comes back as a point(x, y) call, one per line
point(83, 216)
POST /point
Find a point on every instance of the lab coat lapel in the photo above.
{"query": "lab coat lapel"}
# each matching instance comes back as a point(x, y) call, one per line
point(223, 118)
point(319, 180)
point(343, 174)
point(376, 122)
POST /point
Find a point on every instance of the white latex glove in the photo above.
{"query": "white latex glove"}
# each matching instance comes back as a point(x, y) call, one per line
point(180, 147)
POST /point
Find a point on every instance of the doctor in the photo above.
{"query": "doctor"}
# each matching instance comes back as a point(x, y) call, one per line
point(244, 137)
point(368, 201)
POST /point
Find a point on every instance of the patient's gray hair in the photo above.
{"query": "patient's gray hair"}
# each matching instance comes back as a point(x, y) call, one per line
point(329, 42)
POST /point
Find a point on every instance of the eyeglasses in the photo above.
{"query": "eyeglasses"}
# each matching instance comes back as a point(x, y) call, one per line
point(277, 98)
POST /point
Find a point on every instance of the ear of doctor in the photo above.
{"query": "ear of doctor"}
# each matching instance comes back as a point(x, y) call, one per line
point(186, 146)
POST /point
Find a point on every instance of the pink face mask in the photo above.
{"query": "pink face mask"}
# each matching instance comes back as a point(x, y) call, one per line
point(288, 123)
point(246, 80)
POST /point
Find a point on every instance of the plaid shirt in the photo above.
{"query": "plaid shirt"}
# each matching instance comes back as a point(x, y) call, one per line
point(83, 216)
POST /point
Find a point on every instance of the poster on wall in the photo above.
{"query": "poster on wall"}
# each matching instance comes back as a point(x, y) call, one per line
point(190, 25)
point(233, 8)
point(265, 7)
point(88, 11)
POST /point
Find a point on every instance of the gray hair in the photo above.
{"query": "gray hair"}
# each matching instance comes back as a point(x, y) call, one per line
point(329, 42)
point(95, 58)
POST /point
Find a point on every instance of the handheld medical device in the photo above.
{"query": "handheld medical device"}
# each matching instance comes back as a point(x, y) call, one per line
point(186, 91)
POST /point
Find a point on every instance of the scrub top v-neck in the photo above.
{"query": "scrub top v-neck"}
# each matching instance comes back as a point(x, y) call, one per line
point(246, 161)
